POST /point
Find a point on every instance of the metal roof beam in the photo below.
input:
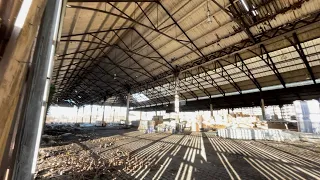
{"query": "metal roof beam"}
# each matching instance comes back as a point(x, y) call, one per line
point(82, 38)
point(297, 45)
point(132, 20)
point(213, 82)
point(150, 75)
point(243, 68)
point(130, 51)
point(145, 14)
point(268, 60)
point(87, 72)
point(189, 90)
point(173, 94)
point(225, 72)
point(95, 60)
point(269, 36)
point(73, 25)
point(77, 52)
point(203, 89)
point(93, 52)
point(134, 80)
point(95, 32)
point(239, 20)
point(200, 52)
point(172, 68)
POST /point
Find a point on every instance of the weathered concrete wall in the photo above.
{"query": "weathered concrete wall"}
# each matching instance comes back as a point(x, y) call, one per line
point(14, 64)
point(8, 13)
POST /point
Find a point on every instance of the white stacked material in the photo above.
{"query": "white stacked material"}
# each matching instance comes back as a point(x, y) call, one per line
point(258, 134)
point(143, 125)
point(310, 137)
point(146, 125)
point(98, 123)
point(308, 116)
point(86, 125)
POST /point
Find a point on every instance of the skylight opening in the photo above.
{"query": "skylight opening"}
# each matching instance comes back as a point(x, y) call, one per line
point(139, 97)
point(246, 6)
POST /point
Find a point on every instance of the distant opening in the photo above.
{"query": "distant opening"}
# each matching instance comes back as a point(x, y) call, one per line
point(140, 97)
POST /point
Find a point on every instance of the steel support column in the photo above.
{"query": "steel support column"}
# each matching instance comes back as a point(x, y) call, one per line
point(37, 94)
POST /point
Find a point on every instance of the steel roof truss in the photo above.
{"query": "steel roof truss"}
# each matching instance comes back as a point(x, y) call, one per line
point(297, 45)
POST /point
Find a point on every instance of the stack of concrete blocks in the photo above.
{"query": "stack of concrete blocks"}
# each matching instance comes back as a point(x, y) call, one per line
point(308, 116)
point(258, 134)
point(146, 126)
point(309, 137)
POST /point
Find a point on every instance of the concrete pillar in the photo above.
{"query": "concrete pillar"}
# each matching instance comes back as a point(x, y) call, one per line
point(281, 111)
point(114, 112)
point(15, 60)
point(82, 113)
point(77, 114)
point(263, 109)
point(97, 112)
point(104, 109)
point(128, 106)
point(37, 93)
point(140, 115)
point(211, 110)
point(91, 114)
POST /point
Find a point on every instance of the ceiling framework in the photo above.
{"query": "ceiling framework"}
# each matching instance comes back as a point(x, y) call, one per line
point(218, 48)
point(272, 97)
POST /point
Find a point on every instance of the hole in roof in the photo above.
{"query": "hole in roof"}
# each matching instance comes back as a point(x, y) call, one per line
point(140, 97)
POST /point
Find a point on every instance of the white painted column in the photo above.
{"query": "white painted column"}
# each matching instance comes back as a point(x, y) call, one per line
point(176, 99)
point(128, 106)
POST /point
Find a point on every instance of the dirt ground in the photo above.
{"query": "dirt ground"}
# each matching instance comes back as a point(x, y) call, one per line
point(101, 153)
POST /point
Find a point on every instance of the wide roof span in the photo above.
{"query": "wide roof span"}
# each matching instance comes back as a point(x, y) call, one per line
point(217, 48)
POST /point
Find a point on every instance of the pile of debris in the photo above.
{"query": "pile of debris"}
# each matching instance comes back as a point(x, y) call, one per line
point(89, 160)
point(72, 161)
point(62, 134)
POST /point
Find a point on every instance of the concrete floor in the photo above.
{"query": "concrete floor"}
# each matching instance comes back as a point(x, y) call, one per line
point(194, 156)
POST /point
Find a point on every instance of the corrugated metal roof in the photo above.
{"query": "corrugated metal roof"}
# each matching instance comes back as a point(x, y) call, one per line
point(120, 45)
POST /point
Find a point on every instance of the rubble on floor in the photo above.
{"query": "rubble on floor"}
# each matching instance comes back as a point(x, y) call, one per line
point(127, 154)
